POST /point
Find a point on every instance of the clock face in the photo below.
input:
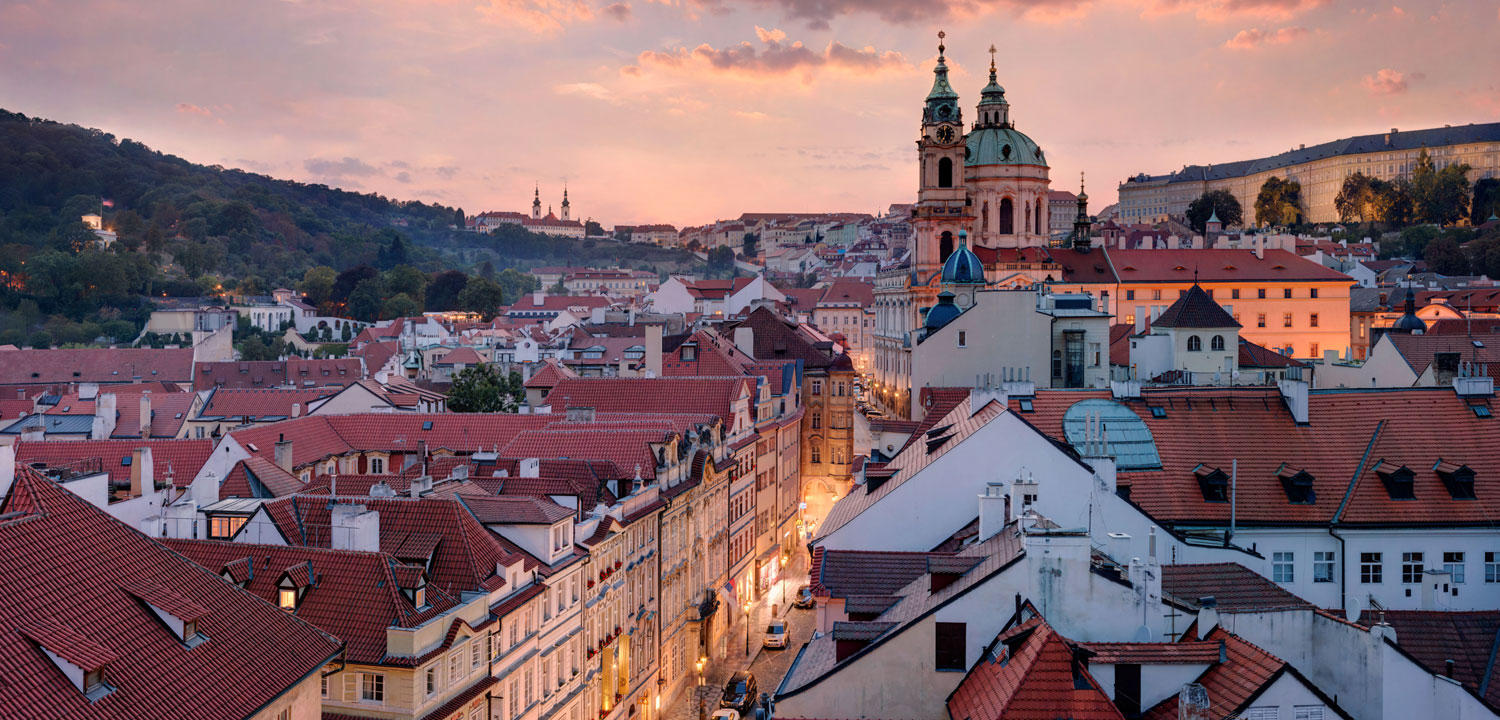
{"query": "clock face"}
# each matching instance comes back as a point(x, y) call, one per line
point(945, 134)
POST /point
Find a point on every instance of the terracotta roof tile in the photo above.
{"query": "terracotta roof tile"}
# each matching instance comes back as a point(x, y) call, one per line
point(1235, 587)
point(184, 458)
point(100, 365)
point(1434, 637)
point(1229, 684)
point(1031, 674)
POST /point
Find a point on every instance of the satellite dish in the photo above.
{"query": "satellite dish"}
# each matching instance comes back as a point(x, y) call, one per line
point(1142, 634)
point(1352, 608)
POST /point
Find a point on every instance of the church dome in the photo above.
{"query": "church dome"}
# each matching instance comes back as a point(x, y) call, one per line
point(941, 314)
point(963, 266)
point(1002, 146)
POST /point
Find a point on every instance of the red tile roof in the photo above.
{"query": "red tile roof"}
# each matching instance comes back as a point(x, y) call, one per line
point(1195, 309)
point(698, 395)
point(356, 596)
point(1419, 351)
point(67, 562)
point(1433, 638)
point(1154, 653)
point(295, 372)
point(1214, 265)
point(549, 374)
point(845, 573)
point(1234, 586)
point(261, 403)
point(1259, 356)
point(463, 355)
point(1031, 674)
point(845, 292)
point(1230, 685)
point(184, 458)
point(515, 510)
point(259, 477)
point(100, 365)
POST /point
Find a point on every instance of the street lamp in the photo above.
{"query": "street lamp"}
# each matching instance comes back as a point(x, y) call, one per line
point(747, 628)
point(699, 665)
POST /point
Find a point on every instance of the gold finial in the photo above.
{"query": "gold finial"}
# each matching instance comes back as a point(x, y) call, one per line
point(992, 58)
point(1080, 181)
point(941, 49)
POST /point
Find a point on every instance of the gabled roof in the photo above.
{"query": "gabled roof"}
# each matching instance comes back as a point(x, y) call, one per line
point(261, 403)
point(1433, 637)
point(1235, 587)
point(1195, 309)
point(1031, 673)
point(355, 597)
point(1233, 685)
point(697, 395)
point(56, 545)
point(100, 365)
point(1420, 351)
point(295, 372)
point(184, 458)
point(515, 510)
point(258, 477)
point(549, 374)
point(462, 355)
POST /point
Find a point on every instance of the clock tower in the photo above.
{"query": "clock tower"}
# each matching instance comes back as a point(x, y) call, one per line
point(941, 211)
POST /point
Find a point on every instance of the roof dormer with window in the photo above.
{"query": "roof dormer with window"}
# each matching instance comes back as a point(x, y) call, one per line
point(292, 588)
point(83, 661)
point(1459, 479)
point(1398, 480)
point(1297, 483)
point(179, 614)
point(1212, 482)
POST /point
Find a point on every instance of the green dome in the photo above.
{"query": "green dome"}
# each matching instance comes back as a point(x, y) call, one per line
point(1002, 146)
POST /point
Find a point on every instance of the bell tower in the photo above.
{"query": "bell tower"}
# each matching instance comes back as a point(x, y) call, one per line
point(536, 203)
point(565, 207)
point(940, 212)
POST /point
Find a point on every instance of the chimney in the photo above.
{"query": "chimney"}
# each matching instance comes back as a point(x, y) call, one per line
point(653, 350)
point(7, 468)
point(1096, 452)
point(744, 340)
point(142, 473)
point(994, 511)
point(981, 396)
point(1294, 392)
point(1208, 615)
point(1260, 247)
point(530, 468)
point(355, 528)
point(296, 410)
point(284, 453)
point(104, 417)
point(145, 415)
point(537, 298)
point(88, 391)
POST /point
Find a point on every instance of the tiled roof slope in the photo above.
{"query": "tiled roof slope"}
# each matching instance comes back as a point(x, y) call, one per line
point(184, 458)
point(698, 395)
point(1029, 675)
point(100, 365)
point(1234, 684)
point(296, 372)
point(1348, 433)
point(777, 338)
point(550, 372)
point(842, 573)
point(355, 598)
point(261, 402)
point(1434, 637)
point(1419, 351)
point(1195, 309)
point(67, 562)
point(1235, 587)
point(465, 555)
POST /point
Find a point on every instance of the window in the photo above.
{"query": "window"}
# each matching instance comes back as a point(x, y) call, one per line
point(372, 688)
point(1195, 343)
point(224, 527)
point(1217, 343)
point(1371, 571)
point(285, 714)
point(963, 338)
point(1307, 712)
point(1130, 320)
point(1269, 712)
point(93, 679)
point(1492, 567)
point(1323, 566)
point(476, 654)
point(1453, 562)
point(1260, 320)
point(287, 598)
point(817, 420)
point(1411, 568)
point(1287, 293)
point(1312, 320)
point(1286, 320)
point(377, 466)
point(1313, 292)
point(1312, 350)
point(1155, 294)
point(324, 688)
point(1129, 294)
point(817, 387)
point(1261, 293)
point(1283, 567)
point(431, 678)
point(1234, 294)
point(817, 454)
point(949, 644)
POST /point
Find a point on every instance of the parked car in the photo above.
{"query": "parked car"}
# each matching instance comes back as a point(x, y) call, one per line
point(740, 693)
point(776, 635)
point(804, 597)
point(873, 414)
point(725, 714)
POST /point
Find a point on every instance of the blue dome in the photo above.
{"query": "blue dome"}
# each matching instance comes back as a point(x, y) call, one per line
point(942, 313)
point(962, 266)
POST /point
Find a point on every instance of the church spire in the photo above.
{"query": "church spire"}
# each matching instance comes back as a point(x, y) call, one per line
point(994, 109)
point(1082, 227)
point(942, 101)
point(536, 203)
point(565, 205)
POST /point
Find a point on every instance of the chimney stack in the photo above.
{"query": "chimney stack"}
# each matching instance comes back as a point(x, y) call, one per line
point(355, 528)
point(104, 417)
point(994, 511)
point(1208, 616)
point(653, 350)
point(744, 340)
point(145, 415)
point(284, 453)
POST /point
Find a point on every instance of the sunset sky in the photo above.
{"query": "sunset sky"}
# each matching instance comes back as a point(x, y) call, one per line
point(684, 111)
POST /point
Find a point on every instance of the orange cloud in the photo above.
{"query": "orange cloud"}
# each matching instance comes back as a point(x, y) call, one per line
point(1387, 82)
point(1226, 9)
point(537, 16)
point(774, 58)
point(1254, 37)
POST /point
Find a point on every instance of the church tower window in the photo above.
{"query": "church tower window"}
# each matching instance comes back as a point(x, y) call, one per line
point(945, 172)
point(945, 246)
point(1039, 216)
point(1007, 217)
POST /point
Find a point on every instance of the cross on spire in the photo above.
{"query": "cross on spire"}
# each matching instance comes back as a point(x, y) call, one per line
point(1080, 181)
point(992, 58)
point(941, 48)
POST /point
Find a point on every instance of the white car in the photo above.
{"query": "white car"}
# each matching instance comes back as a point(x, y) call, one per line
point(725, 714)
point(776, 634)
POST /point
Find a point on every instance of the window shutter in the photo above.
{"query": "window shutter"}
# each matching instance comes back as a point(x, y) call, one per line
point(351, 686)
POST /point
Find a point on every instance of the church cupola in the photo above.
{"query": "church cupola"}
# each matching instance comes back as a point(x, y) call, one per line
point(963, 273)
point(536, 203)
point(994, 109)
point(942, 101)
point(1082, 227)
point(565, 206)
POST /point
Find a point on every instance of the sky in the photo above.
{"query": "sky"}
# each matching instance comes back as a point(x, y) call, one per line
point(686, 111)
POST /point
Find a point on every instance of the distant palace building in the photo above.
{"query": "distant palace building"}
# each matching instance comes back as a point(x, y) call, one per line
point(1321, 169)
point(549, 224)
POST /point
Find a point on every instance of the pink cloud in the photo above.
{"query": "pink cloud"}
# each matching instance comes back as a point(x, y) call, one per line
point(619, 11)
point(1387, 82)
point(774, 58)
point(1248, 39)
point(1226, 9)
point(191, 109)
point(537, 16)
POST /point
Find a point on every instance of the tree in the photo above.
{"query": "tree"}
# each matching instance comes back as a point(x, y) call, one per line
point(72, 237)
point(1486, 201)
point(344, 284)
point(401, 305)
point(407, 280)
point(253, 348)
point(459, 219)
point(516, 283)
point(720, 259)
point(1278, 203)
point(1445, 257)
point(751, 245)
point(1220, 202)
point(367, 300)
point(592, 229)
point(1439, 196)
point(443, 291)
point(481, 296)
point(41, 340)
point(1414, 240)
point(558, 288)
point(317, 284)
point(480, 388)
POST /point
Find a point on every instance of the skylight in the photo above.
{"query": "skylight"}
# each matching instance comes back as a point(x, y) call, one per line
point(1126, 435)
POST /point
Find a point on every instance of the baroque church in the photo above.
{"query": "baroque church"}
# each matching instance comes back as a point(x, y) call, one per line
point(981, 210)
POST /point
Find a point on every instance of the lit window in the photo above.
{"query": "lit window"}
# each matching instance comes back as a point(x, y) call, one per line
point(287, 599)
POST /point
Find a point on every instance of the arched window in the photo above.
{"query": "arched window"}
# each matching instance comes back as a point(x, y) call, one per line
point(1027, 225)
point(1195, 343)
point(1217, 343)
point(945, 172)
point(1007, 217)
point(1039, 216)
point(945, 246)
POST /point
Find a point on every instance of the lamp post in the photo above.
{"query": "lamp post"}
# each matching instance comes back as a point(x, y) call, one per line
point(747, 629)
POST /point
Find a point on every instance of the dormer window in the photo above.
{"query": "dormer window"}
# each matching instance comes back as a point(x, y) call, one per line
point(1459, 479)
point(1212, 482)
point(689, 353)
point(1398, 480)
point(1297, 483)
point(286, 598)
point(80, 659)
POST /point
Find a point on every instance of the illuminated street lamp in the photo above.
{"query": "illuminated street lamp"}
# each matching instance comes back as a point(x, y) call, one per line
point(747, 628)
